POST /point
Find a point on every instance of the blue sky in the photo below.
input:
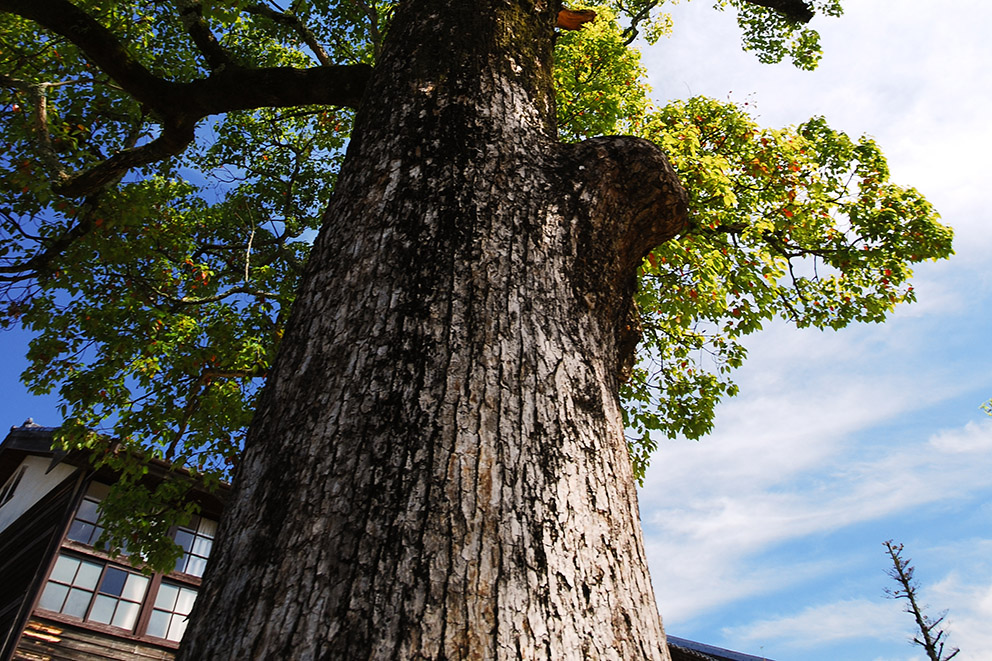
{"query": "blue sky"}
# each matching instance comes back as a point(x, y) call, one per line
point(766, 537)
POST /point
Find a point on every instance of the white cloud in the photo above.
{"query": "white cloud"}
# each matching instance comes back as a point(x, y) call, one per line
point(872, 428)
point(967, 598)
point(704, 542)
point(826, 623)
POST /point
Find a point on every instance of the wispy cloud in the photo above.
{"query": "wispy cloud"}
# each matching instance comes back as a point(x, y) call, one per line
point(816, 626)
point(704, 544)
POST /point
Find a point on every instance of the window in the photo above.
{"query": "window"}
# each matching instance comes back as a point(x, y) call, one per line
point(71, 586)
point(196, 540)
point(119, 598)
point(86, 528)
point(171, 612)
point(94, 592)
point(7, 492)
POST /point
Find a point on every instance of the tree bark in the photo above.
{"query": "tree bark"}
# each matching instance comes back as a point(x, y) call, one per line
point(437, 469)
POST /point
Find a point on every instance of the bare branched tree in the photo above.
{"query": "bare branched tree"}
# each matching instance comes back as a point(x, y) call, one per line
point(930, 635)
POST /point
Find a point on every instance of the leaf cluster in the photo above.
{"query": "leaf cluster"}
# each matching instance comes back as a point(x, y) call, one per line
point(159, 300)
point(800, 223)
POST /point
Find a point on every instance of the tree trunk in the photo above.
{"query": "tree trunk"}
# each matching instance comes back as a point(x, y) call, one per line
point(437, 469)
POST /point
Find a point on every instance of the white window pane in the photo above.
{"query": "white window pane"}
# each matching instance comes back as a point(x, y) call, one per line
point(167, 595)
point(202, 546)
point(158, 624)
point(53, 597)
point(65, 569)
point(127, 615)
point(103, 609)
point(77, 603)
point(178, 627)
point(88, 575)
point(195, 566)
point(208, 528)
point(134, 587)
point(185, 602)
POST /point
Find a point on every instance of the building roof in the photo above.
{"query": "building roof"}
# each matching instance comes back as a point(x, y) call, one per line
point(682, 649)
point(33, 439)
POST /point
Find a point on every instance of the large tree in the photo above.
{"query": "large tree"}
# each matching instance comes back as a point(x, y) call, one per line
point(437, 465)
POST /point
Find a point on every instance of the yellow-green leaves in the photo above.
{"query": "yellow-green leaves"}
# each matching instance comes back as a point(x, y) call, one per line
point(598, 80)
point(800, 223)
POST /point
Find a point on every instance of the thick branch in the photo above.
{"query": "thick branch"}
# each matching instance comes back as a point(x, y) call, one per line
point(191, 15)
point(275, 87)
point(635, 202)
point(647, 203)
point(794, 10)
point(173, 140)
point(226, 91)
point(179, 106)
point(98, 43)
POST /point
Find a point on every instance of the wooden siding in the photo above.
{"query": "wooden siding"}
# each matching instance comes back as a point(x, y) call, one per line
point(26, 548)
point(46, 640)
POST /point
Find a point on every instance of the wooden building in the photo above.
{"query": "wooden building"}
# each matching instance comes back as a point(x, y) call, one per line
point(62, 599)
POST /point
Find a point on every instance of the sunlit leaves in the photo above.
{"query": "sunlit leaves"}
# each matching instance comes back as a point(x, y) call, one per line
point(159, 303)
point(598, 80)
point(773, 37)
point(799, 223)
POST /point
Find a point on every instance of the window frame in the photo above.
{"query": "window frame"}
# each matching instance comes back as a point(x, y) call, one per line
point(88, 553)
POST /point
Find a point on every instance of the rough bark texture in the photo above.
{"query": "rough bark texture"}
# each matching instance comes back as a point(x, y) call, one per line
point(438, 469)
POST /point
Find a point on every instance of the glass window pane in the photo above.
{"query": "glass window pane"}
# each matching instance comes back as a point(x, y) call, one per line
point(167, 595)
point(103, 609)
point(81, 532)
point(53, 597)
point(88, 511)
point(185, 602)
point(65, 569)
point(184, 539)
point(202, 546)
point(208, 528)
point(127, 615)
point(178, 627)
point(77, 603)
point(88, 575)
point(158, 624)
point(196, 566)
point(113, 581)
point(134, 587)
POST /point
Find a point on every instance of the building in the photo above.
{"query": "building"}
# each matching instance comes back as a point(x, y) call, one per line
point(60, 596)
point(63, 599)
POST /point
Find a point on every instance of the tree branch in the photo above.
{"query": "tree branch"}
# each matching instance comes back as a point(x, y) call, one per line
point(293, 21)
point(98, 44)
point(794, 10)
point(179, 106)
point(191, 15)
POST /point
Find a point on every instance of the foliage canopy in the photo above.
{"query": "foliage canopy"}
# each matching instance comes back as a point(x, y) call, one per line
point(159, 296)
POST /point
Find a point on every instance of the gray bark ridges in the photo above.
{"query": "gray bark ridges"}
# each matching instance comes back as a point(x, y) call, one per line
point(437, 469)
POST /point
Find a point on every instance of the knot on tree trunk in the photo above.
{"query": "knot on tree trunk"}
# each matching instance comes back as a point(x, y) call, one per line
point(630, 200)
